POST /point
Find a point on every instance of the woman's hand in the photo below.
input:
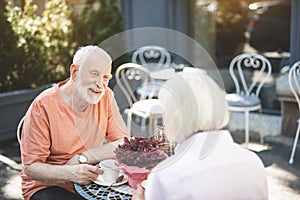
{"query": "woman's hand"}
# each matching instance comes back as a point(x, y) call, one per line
point(138, 194)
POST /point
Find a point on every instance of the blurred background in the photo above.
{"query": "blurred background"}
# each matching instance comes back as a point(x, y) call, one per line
point(39, 37)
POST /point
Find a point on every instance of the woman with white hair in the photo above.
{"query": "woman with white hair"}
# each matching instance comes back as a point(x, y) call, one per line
point(207, 163)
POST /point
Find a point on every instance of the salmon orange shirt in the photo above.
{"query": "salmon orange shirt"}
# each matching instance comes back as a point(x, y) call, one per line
point(53, 132)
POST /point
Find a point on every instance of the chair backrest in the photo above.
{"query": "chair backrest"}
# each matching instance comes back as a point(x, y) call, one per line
point(19, 129)
point(294, 80)
point(152, 57)
point(132, 79)
point(259, 67)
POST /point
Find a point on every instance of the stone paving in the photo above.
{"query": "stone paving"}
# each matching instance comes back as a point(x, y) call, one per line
point(283, 178)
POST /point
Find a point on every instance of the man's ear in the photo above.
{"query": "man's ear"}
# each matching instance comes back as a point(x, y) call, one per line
point(73, 71)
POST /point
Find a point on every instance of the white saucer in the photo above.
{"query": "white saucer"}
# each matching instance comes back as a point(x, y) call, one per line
point(100, 181)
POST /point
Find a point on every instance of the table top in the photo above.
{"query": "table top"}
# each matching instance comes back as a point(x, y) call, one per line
point(95, 191)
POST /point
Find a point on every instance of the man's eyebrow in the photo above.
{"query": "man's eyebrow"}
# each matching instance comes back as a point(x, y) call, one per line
point(94, 70)
point(109, 76)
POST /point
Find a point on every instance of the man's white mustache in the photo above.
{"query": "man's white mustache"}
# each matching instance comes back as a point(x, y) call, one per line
point(98, 90)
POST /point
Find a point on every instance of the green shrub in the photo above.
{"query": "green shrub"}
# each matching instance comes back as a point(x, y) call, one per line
point(99, 20)
point(10, 54)
point(37, 49)
point(231, 24)
point(44, 41)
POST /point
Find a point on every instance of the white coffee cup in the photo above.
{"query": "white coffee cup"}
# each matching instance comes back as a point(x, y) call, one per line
point(110, 170)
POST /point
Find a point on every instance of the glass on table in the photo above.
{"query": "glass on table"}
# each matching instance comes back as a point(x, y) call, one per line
point(167, 146)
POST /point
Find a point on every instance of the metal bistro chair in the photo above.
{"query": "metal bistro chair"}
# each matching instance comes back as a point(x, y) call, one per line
point(152, 57)
point(19, 129)
point(156, 59)
point(246, 98)
point(133, 79)
point(294, 80)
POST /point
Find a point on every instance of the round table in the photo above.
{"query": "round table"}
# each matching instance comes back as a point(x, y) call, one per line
point(95, 191)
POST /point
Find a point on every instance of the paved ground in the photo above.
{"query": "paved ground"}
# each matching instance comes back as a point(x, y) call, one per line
point(283, 179)
point(10, 182)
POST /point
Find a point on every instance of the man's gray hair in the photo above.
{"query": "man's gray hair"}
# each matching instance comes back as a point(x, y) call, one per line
point(84, 52)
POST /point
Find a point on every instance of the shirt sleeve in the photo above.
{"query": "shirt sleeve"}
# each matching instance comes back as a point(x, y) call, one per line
point(116, 128)
point(35, 141)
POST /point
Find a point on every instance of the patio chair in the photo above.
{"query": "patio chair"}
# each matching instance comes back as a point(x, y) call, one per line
point(246, 97)
point(294, 80)
point(19, 129)
point(155, 59)
point(152, 57)
point(133, 80)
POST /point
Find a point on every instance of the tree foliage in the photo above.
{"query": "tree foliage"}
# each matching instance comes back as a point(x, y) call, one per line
point(231, 24)
point(98, 20)
point(37, 49)
point(44, 43)
point(9, 51)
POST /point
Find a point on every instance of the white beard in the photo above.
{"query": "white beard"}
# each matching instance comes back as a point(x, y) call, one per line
point(83, 93)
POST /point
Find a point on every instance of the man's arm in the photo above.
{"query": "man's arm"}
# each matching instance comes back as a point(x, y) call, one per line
point(60, 174)
point(103, 152)
point(95, 155)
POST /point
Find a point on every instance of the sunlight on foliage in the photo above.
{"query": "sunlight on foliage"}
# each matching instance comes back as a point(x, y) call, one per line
point(44, 41)
point(40, 47)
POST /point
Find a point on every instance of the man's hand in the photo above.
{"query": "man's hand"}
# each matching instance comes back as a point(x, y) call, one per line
point(138, 194)
point(84, 173)
point(60, 174)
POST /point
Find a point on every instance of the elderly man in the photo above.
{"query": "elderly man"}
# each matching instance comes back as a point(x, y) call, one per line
point(66, 126)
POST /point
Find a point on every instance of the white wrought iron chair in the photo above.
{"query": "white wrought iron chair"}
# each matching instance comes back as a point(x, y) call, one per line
point(152, 57)
point(133, 80)
point(246, 98)
point(156, 59)
point(19, 129)
point(294, 80)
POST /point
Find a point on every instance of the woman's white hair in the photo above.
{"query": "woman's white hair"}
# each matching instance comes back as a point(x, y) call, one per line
point(193, 102)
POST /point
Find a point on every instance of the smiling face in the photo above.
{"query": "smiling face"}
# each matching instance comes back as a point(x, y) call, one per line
point(92, 77)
